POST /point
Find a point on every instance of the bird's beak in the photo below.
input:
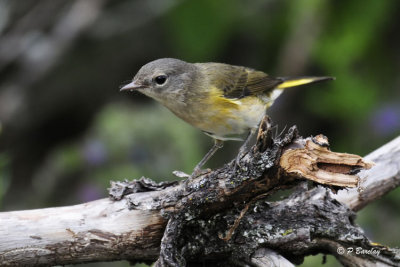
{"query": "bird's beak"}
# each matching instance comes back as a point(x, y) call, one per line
point(132, 86)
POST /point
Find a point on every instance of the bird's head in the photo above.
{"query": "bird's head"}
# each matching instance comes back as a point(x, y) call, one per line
point(163, 79)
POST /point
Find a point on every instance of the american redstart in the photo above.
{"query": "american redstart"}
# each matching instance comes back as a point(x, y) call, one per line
point(222, 100)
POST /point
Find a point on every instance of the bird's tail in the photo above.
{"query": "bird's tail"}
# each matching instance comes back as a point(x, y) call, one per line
point(297, 81)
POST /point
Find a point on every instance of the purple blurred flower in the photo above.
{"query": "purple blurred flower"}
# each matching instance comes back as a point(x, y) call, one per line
point(94, 152)
point(89, 192)
point(386, 120)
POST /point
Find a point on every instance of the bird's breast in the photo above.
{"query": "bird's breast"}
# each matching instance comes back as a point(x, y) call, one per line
point(221, 117)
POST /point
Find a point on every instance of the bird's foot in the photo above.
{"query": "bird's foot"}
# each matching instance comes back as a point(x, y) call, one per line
point(181, 174)
point(197, 172)
point(237, 165)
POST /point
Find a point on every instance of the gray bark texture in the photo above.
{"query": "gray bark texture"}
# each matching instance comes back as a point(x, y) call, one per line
point(225, 217)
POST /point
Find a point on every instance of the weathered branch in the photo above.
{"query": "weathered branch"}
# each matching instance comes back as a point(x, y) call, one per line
point(96, 231)
point(376, 182)
point(221, 216)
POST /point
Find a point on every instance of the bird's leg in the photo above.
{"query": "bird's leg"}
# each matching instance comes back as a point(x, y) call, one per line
point(217, 145)
point(244, 146)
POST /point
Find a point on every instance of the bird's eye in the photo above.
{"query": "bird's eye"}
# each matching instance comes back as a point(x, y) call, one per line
point(161, 79)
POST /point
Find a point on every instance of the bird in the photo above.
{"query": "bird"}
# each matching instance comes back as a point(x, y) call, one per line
point(224, 101)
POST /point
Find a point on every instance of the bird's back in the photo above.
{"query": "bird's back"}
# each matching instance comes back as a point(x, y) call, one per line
point(236, 81)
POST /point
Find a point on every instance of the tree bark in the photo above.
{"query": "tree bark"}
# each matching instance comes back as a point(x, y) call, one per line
point(223, 217)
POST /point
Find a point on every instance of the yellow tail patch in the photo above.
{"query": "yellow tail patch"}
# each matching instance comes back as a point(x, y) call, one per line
point(292, 82)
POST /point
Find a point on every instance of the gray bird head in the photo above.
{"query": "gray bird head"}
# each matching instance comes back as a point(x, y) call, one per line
point(163, 79)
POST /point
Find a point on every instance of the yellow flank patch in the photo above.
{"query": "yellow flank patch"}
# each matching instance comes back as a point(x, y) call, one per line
point(214, 112)
point(221, 102)
point(226, 118)
point(292, 83)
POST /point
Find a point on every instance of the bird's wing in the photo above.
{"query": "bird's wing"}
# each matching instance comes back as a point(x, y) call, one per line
point(239, 82)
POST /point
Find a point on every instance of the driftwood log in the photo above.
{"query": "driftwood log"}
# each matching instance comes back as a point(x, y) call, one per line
point(225, 217)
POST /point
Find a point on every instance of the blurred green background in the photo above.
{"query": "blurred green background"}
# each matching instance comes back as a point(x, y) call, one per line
point(66, 130)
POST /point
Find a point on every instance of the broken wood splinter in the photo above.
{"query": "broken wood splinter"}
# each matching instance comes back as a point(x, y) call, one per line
point(313, 160)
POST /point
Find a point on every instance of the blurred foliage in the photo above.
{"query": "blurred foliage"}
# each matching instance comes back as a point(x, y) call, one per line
point(66, 131)
point(118, 146)
point(201, 29)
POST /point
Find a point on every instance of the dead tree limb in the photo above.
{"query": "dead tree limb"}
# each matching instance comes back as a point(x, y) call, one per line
point(223, 217)
point(376, 182)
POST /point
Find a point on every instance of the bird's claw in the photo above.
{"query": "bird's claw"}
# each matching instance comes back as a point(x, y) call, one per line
point(197, 172)
point(181, 174)
point(237, 164)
